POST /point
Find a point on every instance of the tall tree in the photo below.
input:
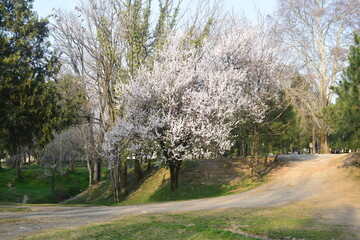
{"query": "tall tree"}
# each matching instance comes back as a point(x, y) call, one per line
point(103, 43)
point(188, 99)
point(27, 65)
point(318, 31)
point(347, 107)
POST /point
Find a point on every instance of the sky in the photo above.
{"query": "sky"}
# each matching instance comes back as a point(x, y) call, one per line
point(44, 7)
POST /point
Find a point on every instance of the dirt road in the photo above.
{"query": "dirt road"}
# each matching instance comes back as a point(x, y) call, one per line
point(320, 180)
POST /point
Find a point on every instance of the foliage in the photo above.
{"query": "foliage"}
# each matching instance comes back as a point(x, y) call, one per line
point(281, 133)
point(27, 64)
point(346, 111)
point(103, 43)
point(316, 35)
point(72, 101)
point(38, 186)
point(62, 153)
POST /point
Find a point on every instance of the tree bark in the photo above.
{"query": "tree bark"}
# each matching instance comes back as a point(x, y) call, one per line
point(245, 149)
point(177, 172)
point(97, 171)
point(29, 163)
point(18, 169)
point(148, 166)
point(324, 148)
point(174, 174)
point(115, 180)
point(137, 170)
point(88, 163)
point(256, 144)
point(172, 177)
point(266, 160)
point(53, 182)
point(123, 176)
point(313, 141)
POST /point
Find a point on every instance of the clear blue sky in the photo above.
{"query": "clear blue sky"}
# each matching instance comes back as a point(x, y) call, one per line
point(44, 7)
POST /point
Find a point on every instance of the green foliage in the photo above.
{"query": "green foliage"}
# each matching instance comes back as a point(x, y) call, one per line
point(71, 101)
point(345, 114)
point(281, 131)
point(278, 133)
point(38, 186)
point(195, 37)
point(166, 21)
point(27, 93)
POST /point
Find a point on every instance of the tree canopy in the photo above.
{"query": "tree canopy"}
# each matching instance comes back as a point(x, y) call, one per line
point(27, 65)
point(347, 107)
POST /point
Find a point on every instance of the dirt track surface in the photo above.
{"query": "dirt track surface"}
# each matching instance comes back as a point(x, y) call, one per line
point(320, 180)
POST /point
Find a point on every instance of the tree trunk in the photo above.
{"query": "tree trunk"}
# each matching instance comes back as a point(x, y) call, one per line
point(115, 180)
point(148, 166)
point(255, 150)
point(266, 160)
point(174, 174)
point(172, 178)
point(88, 163)
point(29, 163)
point(18, 169)
point(324, 148)
point(177, 172)
point(313, 141)
point(245, 149)
point(137, 170)
point(123, 176)
point(97, 171)
point(0, 164)
point(256, 144)
point(53, 182)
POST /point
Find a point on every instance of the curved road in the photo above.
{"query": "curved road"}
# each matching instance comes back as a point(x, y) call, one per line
point(319, 179)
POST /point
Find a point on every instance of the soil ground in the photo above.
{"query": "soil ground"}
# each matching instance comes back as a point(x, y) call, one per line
point(320, 181)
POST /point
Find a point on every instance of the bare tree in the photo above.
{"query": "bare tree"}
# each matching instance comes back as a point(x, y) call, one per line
point(91, 42)
point(318, 32)
point(62, 153)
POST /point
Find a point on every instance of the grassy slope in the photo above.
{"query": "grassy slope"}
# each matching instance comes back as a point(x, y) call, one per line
point(297, 221)
point(207, 178)
point(38, 187)
point(200, 179)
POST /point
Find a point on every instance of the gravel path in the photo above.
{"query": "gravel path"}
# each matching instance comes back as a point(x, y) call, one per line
point(318, 179)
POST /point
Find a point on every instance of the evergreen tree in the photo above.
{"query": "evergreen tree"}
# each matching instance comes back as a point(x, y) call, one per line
point(27, 93)
point(347, 107)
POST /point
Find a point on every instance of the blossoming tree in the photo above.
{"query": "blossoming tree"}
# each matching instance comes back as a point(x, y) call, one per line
point(187, 101)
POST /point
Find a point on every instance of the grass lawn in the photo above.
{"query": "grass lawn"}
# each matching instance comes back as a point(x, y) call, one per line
point(296, 221)
point(38, 186)
point(196, 180)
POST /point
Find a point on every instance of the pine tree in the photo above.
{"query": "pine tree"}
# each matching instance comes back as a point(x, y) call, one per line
point(347, 107)
point(27, 92)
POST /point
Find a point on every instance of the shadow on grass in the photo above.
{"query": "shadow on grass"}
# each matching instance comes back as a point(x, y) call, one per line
point(211, 178)
point(187, 192)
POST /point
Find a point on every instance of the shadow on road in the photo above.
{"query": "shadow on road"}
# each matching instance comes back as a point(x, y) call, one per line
point(296, 157)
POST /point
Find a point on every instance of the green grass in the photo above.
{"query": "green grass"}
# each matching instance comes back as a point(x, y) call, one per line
point(155, 187)
point(192, 190)
point(38, 186)
point(97, 195)
point(14, 209)
point(277, 223)
point(192, 185)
